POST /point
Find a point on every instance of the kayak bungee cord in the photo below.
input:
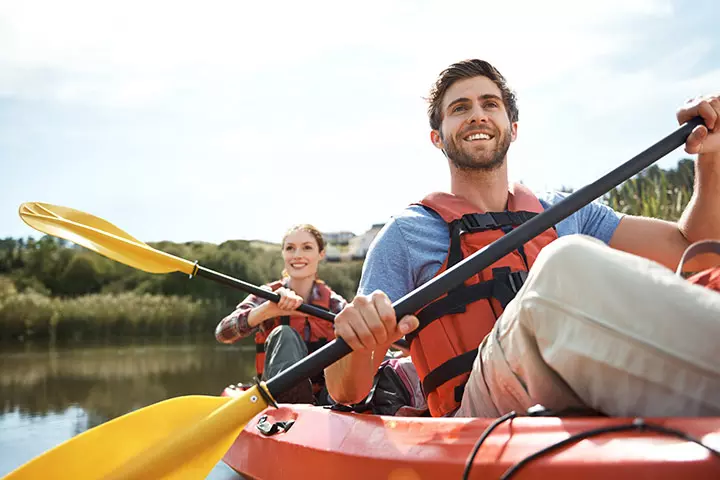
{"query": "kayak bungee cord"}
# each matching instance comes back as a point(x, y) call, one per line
point(485, 434)
point(638, 424)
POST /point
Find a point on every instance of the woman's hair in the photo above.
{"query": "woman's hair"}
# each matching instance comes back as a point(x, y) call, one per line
point(306, 227)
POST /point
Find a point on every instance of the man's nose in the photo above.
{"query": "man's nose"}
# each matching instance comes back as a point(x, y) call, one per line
point(477, 115)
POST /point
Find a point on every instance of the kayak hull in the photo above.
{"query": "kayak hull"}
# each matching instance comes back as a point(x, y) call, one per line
point(325, 444)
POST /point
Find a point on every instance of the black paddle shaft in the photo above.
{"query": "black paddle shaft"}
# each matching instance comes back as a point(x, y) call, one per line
point(218, 277)
point(260, 292)
point(483, 258)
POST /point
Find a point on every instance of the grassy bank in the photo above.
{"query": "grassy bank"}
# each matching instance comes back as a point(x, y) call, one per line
point(30, 315)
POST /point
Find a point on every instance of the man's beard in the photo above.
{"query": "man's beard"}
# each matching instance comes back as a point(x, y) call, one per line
point(480, 161)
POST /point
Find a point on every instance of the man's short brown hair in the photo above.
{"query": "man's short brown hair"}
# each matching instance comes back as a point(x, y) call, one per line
point(462, 70)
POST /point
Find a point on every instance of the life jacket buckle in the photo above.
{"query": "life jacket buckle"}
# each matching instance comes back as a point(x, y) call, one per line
point(517, 280)
point(478, 222)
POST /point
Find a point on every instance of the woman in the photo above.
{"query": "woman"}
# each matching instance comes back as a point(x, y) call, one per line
point(283, 335)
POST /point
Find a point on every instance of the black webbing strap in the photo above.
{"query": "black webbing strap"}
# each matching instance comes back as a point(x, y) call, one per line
point(451, 303)
point(503, 287)
point(479, 222)
point(452, 368)
point(506, 284)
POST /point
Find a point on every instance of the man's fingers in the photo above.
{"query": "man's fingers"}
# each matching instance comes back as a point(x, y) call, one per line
point(695, 139)
point(352, 326)
point(345, 331)
point(707, 110)
point(385, 315)
point(368, 326)
point(408, 323)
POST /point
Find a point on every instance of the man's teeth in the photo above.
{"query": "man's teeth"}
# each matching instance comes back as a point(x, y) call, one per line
point(478, 136)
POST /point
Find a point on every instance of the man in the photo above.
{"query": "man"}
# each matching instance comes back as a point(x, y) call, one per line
point(611, 329)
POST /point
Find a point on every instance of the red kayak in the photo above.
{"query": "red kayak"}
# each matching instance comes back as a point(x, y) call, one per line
point(307, 442)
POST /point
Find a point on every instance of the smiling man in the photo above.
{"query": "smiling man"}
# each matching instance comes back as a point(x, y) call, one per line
point(587, 315)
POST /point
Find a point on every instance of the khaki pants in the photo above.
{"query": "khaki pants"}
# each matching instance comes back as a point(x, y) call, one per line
point(595, 327)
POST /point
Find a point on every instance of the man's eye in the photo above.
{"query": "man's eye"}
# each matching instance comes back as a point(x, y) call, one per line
point(459, 108)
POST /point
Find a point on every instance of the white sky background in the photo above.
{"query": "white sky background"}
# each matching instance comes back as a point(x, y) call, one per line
point(229, 119)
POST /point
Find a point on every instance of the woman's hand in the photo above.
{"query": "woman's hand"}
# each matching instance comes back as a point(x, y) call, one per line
point(289, 302)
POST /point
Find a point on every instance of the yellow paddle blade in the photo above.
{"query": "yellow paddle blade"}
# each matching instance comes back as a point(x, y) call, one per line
point(100, 236)
point(180, 438)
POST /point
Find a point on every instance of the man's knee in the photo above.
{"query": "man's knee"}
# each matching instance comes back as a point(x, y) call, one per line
point(569, 253)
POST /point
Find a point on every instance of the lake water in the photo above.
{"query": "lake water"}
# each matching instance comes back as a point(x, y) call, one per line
point(50, 394)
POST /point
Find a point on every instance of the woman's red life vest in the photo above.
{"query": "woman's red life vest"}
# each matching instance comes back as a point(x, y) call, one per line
point(315, 331)
point(709, 278)
point(445, 344)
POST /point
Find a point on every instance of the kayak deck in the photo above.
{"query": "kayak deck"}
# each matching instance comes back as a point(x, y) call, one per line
point(329, 444)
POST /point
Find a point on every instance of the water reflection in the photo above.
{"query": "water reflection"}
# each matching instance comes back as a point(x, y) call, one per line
point(49, 394)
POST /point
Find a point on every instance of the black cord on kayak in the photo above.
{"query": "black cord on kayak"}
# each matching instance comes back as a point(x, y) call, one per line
point(637, 424)
point(483, 437)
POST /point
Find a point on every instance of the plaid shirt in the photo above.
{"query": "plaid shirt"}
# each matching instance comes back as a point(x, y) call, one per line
point(235, 326)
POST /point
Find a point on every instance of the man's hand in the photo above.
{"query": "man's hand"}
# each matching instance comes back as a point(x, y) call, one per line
point(704, 139)
point(369, 322)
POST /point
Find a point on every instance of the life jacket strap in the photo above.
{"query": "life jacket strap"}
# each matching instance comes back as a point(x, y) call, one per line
point(454, 367)
point(503, 287)
point(479, 222)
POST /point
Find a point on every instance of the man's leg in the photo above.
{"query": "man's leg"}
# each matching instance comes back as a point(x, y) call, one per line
point(283, 349)
point(595, 327)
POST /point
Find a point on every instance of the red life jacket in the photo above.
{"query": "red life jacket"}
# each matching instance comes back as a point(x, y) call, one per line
point(444, 346)
point(709, 278)
point(315, 331)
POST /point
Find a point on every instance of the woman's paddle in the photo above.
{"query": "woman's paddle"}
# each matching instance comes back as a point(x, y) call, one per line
point(185, 437)
point(103, 237)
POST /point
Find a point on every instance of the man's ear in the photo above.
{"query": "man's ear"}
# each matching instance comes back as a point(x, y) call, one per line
point(436, 139)
point(513, 131)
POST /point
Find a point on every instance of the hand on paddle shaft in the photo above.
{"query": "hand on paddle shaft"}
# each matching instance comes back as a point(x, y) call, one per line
point(704, 138)
point(369, 321)
point(287, 305)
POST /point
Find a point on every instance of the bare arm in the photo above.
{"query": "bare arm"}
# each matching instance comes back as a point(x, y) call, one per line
point(369, 326)
point(664, 241)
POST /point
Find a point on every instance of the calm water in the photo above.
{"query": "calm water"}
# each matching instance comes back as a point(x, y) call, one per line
point(48, 395)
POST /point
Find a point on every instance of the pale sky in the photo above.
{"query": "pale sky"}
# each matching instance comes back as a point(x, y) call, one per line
point(226, 120)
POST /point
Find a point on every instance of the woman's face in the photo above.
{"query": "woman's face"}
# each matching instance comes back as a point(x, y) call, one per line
point(301, 254)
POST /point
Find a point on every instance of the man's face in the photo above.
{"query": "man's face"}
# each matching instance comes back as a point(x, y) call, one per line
point(475, 132)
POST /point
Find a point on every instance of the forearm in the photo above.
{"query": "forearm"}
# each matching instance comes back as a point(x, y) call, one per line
point(259, 314)
point(349, 380)
point(701, 218)
point(242, 322)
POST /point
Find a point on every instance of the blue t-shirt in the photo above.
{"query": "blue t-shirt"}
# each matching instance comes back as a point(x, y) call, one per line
point(412, 246)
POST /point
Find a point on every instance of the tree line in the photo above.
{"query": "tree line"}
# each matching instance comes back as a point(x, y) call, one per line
point(52, 289)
